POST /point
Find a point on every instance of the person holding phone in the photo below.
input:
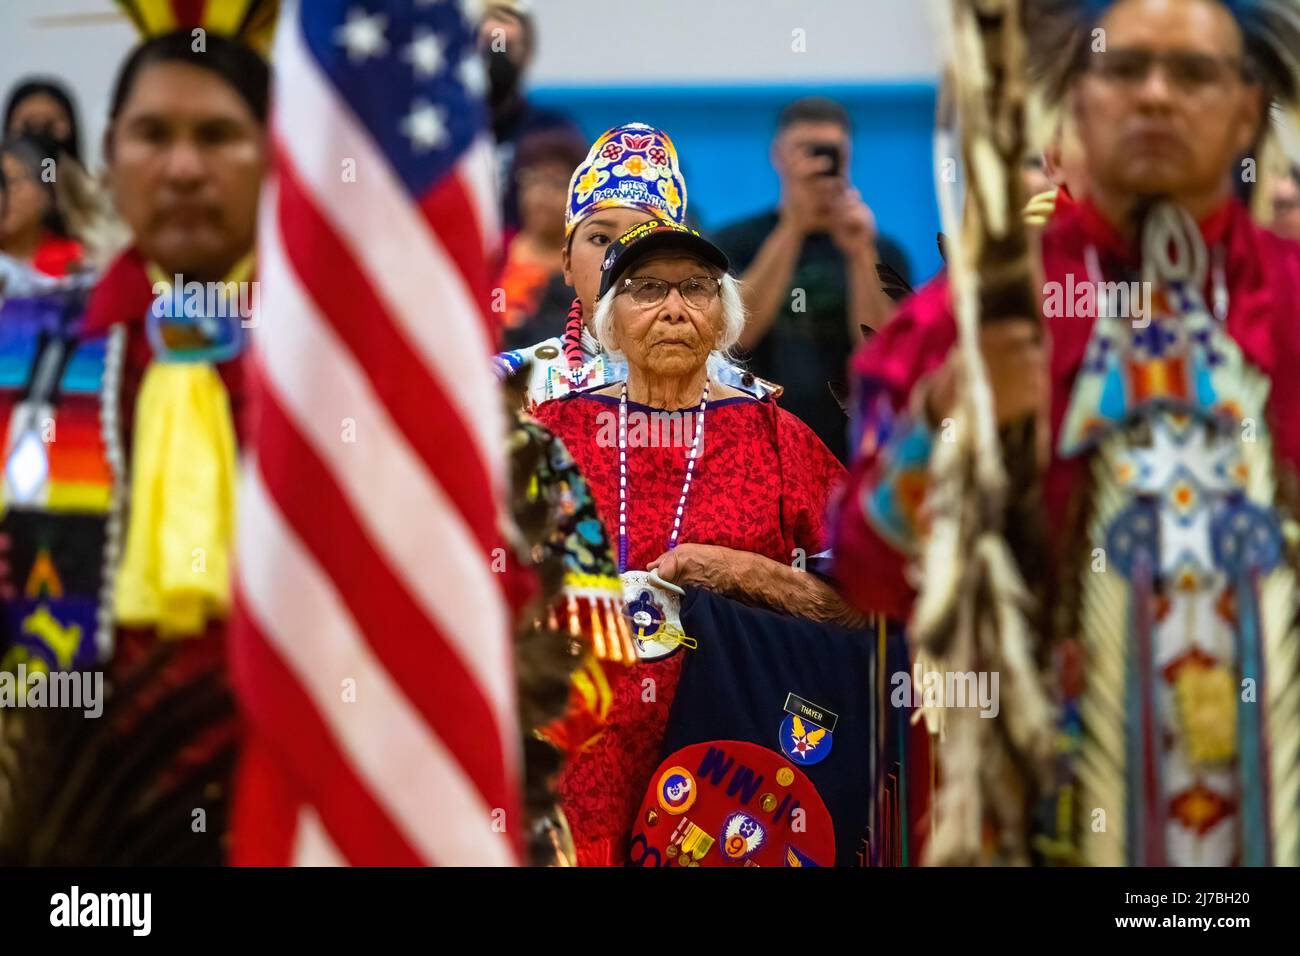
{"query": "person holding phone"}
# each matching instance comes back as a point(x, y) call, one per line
point(809, 268)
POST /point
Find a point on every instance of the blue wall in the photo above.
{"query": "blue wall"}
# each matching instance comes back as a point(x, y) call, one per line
point(723, 134)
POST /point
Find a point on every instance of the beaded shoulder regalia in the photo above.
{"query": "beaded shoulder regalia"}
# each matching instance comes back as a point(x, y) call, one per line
point(62, 487)
point(1184, 741)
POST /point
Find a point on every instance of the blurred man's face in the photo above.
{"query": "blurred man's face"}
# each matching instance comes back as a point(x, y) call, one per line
point(186, 157)
point(1164, 110)
point(797, 141)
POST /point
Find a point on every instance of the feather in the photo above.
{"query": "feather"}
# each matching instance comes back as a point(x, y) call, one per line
point(545, 658)
point(973, 610)
point(892, 284)
point(122, 789)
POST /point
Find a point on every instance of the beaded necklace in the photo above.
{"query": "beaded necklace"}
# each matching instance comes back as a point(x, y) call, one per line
point(622, 474)
point(111, 433)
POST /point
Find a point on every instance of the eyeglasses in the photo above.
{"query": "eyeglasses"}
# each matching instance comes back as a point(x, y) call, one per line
point(1189, 70)
point(696, 291)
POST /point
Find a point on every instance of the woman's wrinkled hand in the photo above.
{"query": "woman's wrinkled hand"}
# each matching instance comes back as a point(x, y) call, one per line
point(703, 565)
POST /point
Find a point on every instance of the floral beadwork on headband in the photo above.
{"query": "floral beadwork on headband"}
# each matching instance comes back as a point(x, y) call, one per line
point(635, 166)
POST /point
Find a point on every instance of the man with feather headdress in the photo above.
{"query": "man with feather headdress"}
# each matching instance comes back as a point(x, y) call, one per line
point(119, 533)
point(1165, 383)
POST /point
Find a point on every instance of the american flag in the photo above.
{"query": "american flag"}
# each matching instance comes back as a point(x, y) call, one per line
point(371, 644)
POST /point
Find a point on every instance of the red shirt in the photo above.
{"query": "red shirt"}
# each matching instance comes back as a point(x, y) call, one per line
point(1262, 274)
point(57, 256)
point(762, 484)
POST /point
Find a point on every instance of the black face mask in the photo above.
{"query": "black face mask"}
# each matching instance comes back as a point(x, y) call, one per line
point(503, 77)
point(45, 131)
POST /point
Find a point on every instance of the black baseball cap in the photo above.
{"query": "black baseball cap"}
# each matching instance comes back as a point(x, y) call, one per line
point(656, 235)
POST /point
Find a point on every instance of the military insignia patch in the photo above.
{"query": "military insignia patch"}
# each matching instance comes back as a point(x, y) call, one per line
point(806, 733)
point(742, 836)
point(733, 808)
point(676, 790)
point(793, 857)
point(654, 616)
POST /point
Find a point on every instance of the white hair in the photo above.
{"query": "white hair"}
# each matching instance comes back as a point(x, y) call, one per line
point(733, 318)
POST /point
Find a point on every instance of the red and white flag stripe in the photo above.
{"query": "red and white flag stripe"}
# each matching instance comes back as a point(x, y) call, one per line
point(371, 643)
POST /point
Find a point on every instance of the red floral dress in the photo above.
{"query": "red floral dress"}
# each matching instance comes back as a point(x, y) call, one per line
point(763, 483)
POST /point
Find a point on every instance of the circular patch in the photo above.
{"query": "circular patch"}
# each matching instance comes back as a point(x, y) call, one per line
point(734, 815)
point(646, 615)
point(676, 790)
point(546, 352)
point(653, 616)
point(803, 741)
point(742, 836)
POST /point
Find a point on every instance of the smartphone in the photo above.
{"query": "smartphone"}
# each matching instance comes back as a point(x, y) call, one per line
point(832, 152)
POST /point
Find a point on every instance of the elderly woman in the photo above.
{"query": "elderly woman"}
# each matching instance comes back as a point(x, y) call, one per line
point(731, 501)
point(630, 175)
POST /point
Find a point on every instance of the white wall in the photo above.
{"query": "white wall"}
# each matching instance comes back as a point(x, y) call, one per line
point(583, 42)
point(79, 41)
point(652, 42)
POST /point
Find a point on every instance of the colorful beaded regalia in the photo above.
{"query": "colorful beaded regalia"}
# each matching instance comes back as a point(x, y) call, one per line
point(586, 603)
point(973, 610)
point(568, 629)
point(590, 605)
point(1161, 668)
point(1182, 732)
point(1185, 727)
point(62, 489)
point(118, 497)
